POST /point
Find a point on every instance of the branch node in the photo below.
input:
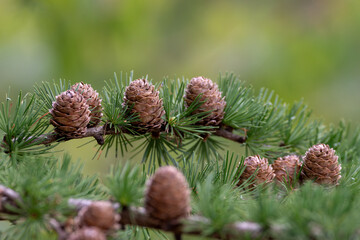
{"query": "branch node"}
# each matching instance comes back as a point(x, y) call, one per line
point(99, 139)
point(155, 135)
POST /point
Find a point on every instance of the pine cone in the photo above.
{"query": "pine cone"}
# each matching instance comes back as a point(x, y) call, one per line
point(70, 114)
point(87, 233)
point(321, 164)
point(264, 171)
point(167, 195)
point(213, 102)
point(142, 98)
point(287, 168)
point(99, 214)
point(92, 99)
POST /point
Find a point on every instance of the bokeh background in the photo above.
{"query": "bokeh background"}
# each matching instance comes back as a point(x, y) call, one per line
point(301, 49)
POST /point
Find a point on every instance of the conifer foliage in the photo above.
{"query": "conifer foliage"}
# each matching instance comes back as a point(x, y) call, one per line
point(291, 176)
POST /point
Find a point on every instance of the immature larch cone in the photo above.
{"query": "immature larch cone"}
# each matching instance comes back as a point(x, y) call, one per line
point(143, 99)
point(321, 165)
point(99, 214)
point(167, 195)
point(260, 166)
point(70, 114)
point(92, 99)
point(211, 96)
point(287, 168)
point(87, 233)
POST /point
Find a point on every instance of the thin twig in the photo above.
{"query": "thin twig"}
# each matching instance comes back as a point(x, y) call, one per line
point(229, 135)
point(8, 197)
point(9, 193)
point(62, 235)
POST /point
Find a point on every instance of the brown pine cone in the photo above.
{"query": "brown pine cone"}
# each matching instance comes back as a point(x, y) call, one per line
point(211, 96)
point(167, 195)
point(264, 171)
point(142, 98)
point(321, 164)
point(92, 99)
point(70, 114)
point(87, 233)
point(286, 168)
point(99, 214)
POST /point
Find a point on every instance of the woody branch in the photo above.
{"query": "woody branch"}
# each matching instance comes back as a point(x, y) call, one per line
point(137, 216)
point(100, 131)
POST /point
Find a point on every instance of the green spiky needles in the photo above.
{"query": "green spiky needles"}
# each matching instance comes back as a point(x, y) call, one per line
point(272, 128)
point(260, 122)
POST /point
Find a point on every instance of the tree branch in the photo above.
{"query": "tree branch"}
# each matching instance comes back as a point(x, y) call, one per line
point(221, 132)
point(100, 131)
point(238, 230)
point(7, 197)
point(137, 216)
point(9, 194)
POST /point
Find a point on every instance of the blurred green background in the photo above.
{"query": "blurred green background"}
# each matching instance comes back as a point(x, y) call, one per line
point(301, 49)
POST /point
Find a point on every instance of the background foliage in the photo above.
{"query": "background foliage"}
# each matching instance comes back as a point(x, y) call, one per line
point(298, 48)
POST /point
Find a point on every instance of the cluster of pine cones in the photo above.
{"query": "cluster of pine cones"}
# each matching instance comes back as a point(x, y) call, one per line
point(167, 195)
point(167, 199)
point(80, 108)
point(320, 164)
point(75, 110)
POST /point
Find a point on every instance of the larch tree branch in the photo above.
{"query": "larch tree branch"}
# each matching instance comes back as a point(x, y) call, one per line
point(100, 131)
point(137, 216)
